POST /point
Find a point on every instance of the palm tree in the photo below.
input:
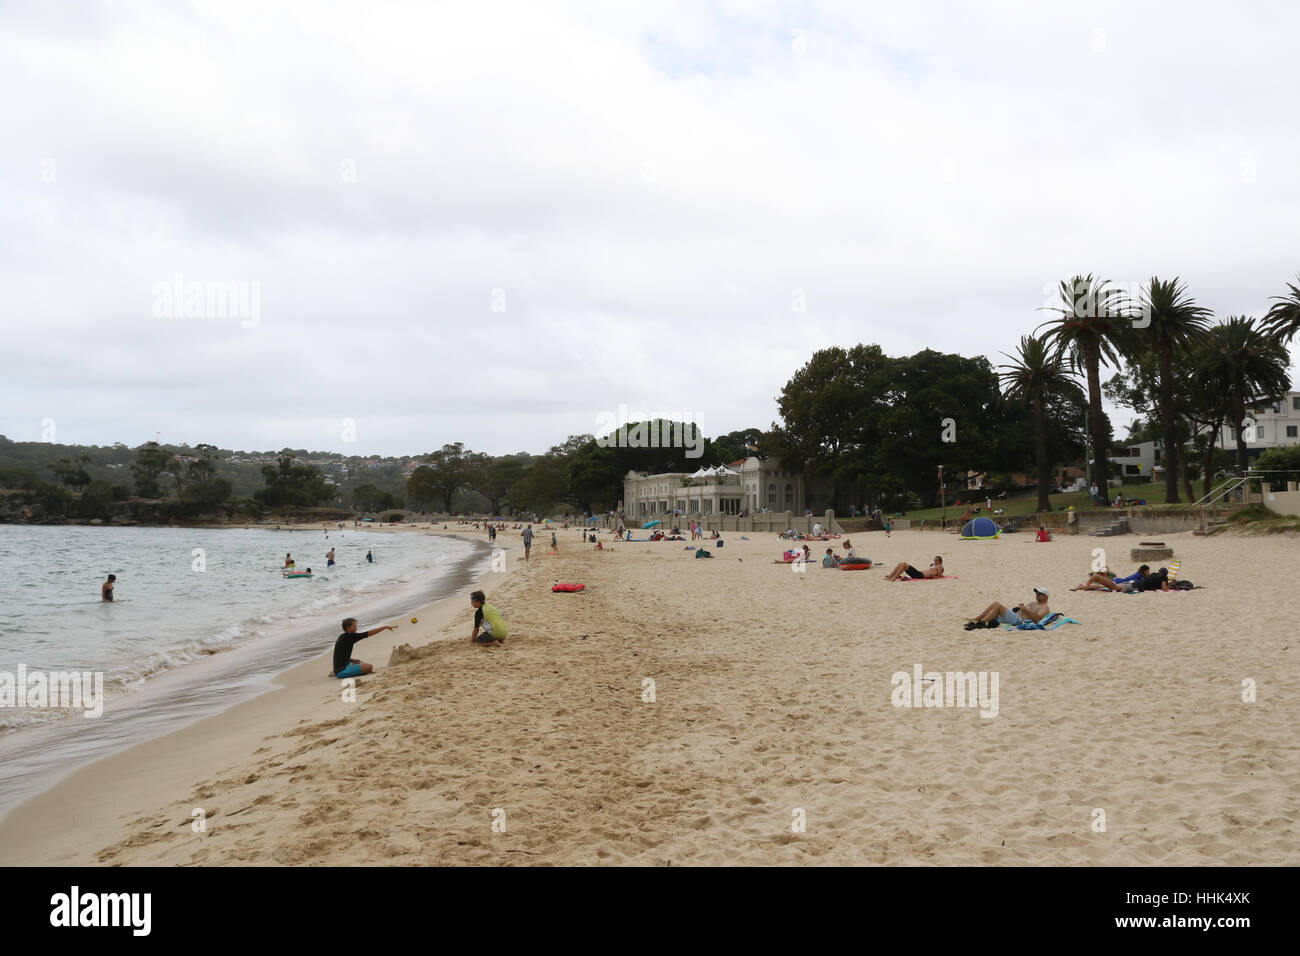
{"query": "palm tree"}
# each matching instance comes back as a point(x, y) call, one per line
point(1283, 317)
point(1241, 364)
point(1172, 320)
point(1093, 327)
point(1037, 373)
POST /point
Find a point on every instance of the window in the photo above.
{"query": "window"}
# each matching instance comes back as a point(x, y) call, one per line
point(1295, 402)
point(1132, 469)
point(771, 495)
point(1135, 452)
point(789, 497)
point(1292, 431)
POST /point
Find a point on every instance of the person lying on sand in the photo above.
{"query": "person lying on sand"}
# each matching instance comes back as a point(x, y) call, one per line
point(996, 614)
point(902, 567)
point(488, 619)
point(344, 664)
point(1105, 581)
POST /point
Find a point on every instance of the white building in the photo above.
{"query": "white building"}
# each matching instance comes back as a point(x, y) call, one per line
point(752, 485)
point(1138, 463)
point(1275, 425)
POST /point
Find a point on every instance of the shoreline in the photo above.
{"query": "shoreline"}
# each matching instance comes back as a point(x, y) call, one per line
point(198, 730)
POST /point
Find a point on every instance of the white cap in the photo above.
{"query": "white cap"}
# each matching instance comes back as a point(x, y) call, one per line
point(1044, 592)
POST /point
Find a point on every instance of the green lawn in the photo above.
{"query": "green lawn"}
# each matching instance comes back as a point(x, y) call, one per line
point(1153, 494)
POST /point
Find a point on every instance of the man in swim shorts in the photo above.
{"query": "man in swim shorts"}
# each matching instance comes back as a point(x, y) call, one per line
point(933, 571)
point(344, 664)
point(996, 614)
point(329, 559)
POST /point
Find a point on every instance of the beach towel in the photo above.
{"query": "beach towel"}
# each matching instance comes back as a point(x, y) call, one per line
point(1049, 623)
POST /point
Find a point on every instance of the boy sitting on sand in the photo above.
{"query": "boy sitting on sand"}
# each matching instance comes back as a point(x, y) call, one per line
point(902, 567)
point(344, 664)
point(488, 619)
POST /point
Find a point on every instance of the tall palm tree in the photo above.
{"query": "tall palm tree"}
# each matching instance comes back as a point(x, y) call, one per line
point(1093, 326)
point(1283, 317)
point(1171, 320)
point(1241, 364)
point(1037, 373)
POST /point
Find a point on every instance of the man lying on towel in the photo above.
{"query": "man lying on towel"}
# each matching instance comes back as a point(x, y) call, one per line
point(933, 571)
point(996, 614)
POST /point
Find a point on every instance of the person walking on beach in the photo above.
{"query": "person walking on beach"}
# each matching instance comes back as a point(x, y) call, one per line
point(344, 664)
point(106, 589)
point(527, 534)
point(996, 614)
point(370, 557)
point(554, 549)
point(329, 559)
point(933, 571)
point(488, 620)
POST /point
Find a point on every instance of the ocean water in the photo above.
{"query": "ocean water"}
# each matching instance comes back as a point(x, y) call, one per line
point(185, 595)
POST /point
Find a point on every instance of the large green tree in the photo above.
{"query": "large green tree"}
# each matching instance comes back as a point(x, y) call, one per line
point(1170, 320)
point(1283, 317)
point(151, 461)
point(1035, 375)
point(1246, 365)
point(1093, 321)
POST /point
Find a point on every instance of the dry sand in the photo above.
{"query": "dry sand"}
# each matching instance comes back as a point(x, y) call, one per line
point(772, 704)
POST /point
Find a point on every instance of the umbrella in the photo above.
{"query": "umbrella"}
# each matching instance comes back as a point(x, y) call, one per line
point(650, 524)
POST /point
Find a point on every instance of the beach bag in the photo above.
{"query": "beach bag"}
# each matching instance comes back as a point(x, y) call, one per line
point(701, 553)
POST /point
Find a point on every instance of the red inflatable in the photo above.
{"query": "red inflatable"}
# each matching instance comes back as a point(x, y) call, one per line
point(568, 587)
point(851, 565)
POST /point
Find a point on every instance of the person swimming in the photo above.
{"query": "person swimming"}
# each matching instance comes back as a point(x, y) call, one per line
point(106, 589)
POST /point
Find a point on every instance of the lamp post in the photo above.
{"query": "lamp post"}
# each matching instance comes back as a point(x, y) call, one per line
point(943, 501)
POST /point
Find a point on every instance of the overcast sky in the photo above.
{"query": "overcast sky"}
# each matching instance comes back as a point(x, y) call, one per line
point(492, 223)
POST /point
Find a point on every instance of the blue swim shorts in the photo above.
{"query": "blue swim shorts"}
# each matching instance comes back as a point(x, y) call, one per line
point(352, 670)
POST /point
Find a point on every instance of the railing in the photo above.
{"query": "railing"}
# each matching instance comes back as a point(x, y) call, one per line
point(1236, 485)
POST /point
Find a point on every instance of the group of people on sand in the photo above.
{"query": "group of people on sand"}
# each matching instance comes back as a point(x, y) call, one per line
point(489, 631)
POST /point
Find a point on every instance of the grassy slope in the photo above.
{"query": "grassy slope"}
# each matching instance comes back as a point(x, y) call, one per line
point(1153, 494)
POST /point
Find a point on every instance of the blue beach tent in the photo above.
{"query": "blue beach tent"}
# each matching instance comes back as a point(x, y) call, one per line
point(979, 529)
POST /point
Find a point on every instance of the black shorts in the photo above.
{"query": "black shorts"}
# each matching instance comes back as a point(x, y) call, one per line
point(913, 573)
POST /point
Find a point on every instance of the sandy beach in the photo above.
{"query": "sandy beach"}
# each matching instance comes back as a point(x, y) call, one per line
point(771, 737)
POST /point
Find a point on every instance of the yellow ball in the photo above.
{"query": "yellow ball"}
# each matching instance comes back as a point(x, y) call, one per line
point(415, 620)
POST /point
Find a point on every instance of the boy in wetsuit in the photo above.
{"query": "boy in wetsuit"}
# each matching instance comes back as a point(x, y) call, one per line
point(344, 664)
point(488, 619)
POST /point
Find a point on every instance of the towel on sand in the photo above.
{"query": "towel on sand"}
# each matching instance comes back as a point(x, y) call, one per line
point(1049, 623)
